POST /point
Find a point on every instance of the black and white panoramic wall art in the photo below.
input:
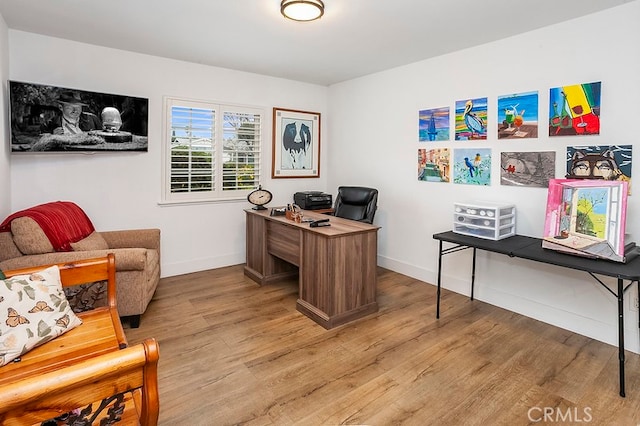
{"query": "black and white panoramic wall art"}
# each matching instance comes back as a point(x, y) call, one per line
point(59, 119)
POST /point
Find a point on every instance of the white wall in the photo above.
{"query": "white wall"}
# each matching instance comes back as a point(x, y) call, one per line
point(5, 171)
point(374, 120)
point(122, 190)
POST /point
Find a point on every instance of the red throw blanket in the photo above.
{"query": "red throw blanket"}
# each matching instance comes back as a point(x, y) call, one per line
point(63, 222)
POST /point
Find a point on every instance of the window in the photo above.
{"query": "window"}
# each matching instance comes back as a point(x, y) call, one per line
point(211, 151)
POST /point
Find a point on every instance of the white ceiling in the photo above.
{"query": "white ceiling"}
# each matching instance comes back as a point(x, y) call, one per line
point(353, 38)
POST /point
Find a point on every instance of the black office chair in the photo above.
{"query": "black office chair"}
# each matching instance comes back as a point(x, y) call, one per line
point(356, 203)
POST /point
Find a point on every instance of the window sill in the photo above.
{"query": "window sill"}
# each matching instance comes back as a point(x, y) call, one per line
point(166, 203)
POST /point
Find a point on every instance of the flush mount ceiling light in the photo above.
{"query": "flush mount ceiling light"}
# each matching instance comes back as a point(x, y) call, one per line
point(302, 10)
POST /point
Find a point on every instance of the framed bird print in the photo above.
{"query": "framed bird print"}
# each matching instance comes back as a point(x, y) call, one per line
point(472, 166)
point(471, 119)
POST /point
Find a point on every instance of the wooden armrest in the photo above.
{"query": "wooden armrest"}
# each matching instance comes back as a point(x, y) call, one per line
point(87, 271)
point(42, 397)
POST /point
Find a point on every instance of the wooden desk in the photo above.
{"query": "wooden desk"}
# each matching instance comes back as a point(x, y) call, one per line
point(335, 265)
point(531, 248)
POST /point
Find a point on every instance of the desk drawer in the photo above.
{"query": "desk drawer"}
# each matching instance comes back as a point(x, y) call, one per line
point(284, 242)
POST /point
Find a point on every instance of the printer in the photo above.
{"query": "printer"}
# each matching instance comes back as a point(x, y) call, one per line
point(313, 200)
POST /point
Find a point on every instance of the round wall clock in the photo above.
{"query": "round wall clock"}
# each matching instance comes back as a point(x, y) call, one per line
point(259, 198)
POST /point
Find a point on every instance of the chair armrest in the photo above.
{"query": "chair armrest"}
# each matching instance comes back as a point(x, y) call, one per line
point(43, 396)
point(8, 249)
point(127, 259)
point(130, 238)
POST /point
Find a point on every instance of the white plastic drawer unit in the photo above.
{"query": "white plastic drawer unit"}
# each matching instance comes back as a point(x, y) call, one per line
point(487, 220)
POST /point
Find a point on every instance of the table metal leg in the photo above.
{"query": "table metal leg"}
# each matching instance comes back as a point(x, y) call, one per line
point(439, 275)
point(473, 272)
point(621, 334)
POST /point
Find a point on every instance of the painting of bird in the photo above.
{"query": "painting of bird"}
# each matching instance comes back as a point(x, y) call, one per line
point(469, 165)
point(477, 160)
point(475, 124)
point(464, 169)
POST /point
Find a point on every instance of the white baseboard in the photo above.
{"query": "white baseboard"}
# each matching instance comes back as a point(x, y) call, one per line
point(202, 264)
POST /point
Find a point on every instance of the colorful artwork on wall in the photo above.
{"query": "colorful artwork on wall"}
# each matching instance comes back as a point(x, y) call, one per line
point(575, 110)
point(471, 119)
point(607, 162)
point(433, 165)
point(433, 124)
point(586, 218)
point(518, 116)
point(472, 166)
point(527, 168)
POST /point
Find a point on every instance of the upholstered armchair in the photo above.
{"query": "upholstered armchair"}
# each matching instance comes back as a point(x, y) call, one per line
point(23, 243)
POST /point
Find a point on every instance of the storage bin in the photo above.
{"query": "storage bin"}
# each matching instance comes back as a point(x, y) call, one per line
point(483, 219)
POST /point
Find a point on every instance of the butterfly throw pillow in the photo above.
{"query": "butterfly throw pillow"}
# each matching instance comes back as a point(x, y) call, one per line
point(33, 310)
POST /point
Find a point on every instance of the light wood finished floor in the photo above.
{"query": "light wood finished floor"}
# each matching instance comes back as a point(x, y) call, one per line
point(232, 352)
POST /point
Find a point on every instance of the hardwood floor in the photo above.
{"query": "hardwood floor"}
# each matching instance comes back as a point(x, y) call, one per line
point(232, 352)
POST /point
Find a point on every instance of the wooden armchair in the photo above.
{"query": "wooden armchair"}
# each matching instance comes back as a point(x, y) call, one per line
point(90, 364)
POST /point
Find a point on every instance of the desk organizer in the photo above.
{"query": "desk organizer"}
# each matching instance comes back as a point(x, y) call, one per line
point(487, 220)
